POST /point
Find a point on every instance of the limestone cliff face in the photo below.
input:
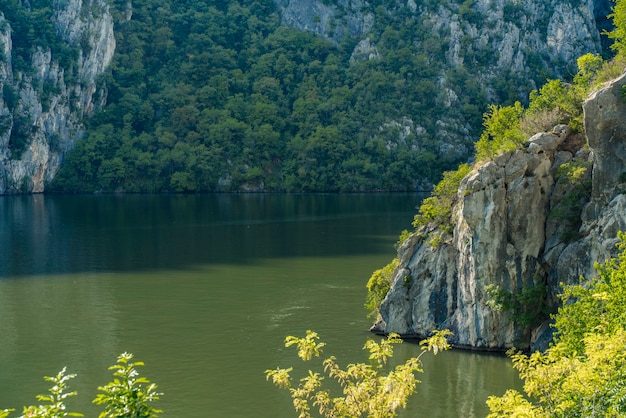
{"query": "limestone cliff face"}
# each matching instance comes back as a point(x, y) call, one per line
point(47, 104)
point(511, 30)
point(506, 233)
point(491, 40)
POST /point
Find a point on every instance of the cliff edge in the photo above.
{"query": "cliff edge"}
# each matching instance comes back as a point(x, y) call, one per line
point(529, 219)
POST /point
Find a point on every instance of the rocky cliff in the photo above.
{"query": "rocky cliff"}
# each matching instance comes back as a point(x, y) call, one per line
point(44, 102)
point(497, 35)
point(505, 47)
point(528, 218)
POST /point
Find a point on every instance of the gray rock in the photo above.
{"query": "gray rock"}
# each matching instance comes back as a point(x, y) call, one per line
point(504, 236)
point(605, 126)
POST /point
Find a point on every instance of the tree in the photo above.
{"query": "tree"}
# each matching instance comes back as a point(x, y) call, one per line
point(367, 392)
point(558, 102)
point(378, 285)
point(583, 372)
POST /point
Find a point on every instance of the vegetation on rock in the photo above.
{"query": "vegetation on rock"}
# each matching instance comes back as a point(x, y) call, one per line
point(583, 373)
point(378, 285)
point(219, 96)
point(435, 212)
point(526, 306)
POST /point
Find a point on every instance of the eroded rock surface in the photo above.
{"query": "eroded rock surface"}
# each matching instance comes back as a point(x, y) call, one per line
point(508, 233)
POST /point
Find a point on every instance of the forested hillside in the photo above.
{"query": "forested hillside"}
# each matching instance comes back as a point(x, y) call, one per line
point(216, 95)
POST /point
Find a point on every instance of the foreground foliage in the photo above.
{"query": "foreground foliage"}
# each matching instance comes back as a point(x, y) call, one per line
point(583, 373)
point(366, 391)
point(127, 396)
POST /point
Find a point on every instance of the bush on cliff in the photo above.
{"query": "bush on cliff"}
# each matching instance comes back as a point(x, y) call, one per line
point(435, 212)
point(502, 131)
point(377, 287)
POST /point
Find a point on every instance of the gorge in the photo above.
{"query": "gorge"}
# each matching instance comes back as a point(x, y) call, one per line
point(519, 220)
point(455, 56)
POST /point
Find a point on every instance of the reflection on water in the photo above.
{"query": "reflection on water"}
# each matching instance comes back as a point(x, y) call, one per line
point(204, 289)
point(65, 234)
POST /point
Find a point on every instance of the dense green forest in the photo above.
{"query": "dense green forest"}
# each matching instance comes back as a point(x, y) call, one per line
point(219, 96)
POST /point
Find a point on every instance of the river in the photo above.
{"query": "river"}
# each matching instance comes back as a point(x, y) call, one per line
point(203, 289)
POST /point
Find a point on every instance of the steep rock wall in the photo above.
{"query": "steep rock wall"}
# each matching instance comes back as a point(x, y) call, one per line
point(48, 106)
point(508, 33)
point(504, 47)
point(504, 234)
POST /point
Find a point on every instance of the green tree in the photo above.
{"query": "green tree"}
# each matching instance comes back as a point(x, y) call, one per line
point(583, 372)
point(559, 102)
point(435, 213)
point(619, 22)
point(366, 390)
point(378, 285)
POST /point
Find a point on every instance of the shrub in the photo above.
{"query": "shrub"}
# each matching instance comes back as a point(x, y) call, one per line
point(526, 307)
point(436, 210)
point(576, 175)
point(378, 285)
point(502, 131)
point(582, 374)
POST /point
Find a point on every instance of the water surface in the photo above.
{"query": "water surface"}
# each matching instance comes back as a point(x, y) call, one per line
point(204, 289)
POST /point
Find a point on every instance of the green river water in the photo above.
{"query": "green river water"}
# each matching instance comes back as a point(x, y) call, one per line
point(204, 289)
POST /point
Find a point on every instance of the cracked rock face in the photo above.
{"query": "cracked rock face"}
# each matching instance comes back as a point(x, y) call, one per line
point(561, 29)
point(498, 239)
point(605, 125)
point(504, 235)
point(53, 123)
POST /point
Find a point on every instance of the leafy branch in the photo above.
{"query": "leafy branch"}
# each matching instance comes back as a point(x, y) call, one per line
point(366, 391)
point(127, 396)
